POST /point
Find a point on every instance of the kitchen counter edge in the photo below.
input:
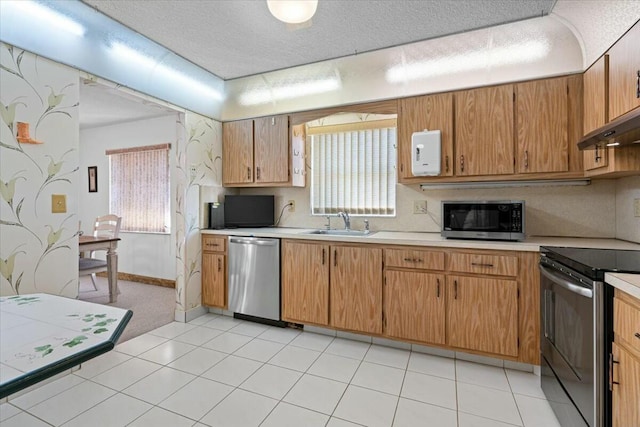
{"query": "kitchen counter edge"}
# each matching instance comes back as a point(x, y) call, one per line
point(531, 244)
point(629, 283)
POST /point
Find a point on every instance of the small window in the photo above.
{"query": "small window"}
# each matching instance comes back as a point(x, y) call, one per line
point(140, 188)
point(353, 168)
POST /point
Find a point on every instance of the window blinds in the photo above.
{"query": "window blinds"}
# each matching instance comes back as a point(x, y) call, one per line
point(354, 171)
point(140, 188)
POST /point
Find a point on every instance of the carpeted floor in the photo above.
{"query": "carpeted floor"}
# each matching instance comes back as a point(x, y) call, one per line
point(152, 306)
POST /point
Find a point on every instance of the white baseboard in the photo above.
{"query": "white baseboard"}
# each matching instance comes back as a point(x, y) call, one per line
point(189, 315)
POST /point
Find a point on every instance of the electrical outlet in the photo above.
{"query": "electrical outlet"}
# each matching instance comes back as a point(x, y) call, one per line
point(636, 207)
point(292, 205)
point(419, 206)
point(193, 170)
point(58, 203)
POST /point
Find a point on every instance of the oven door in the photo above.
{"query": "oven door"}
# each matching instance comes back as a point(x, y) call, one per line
point(567, 345)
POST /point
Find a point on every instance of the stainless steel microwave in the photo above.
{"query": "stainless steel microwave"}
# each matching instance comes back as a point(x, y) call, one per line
point(484, 220)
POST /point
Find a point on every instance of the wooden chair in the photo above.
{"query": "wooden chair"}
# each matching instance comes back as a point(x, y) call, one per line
point(105, 226)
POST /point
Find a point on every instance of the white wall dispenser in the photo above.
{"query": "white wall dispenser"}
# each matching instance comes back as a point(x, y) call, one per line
point(425, 153)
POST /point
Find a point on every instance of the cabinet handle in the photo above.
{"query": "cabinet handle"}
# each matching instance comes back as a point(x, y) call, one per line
point(248, 172)
point(322, 256)
point(461, 163)
point(212, 244)
point(219, 265)
point(455, 289)
point(446, 163)
point(438, 288)
point(526, 159)
point(638, 84)
point(611, 363)
point(335, 258)
point(479, 264)
point(598, 156)
point(413, 260)
point(637, 335)
point(258, 173)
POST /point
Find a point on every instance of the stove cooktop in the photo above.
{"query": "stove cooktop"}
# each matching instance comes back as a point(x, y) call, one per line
point(593, 263)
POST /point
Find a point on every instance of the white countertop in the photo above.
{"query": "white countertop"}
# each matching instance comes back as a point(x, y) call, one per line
point(629, 283)
point(531, 244)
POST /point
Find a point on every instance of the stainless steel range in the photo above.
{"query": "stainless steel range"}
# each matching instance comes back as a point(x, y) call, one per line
point(576, 311)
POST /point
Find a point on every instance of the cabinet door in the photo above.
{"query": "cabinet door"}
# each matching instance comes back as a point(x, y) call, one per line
point(624, 72)
point(305, 282)
point(484, 131)
point(356, 289)
point(237, 152)
point(541, 126)
point(432, 112)
point(482, 314)
point(595, 95)
point(596, 158)
point(414, 306)
point(272, 149)
point(626, 393)
point(213, 280)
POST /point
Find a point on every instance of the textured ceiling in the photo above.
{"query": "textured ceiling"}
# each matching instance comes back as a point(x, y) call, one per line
point(238, 38)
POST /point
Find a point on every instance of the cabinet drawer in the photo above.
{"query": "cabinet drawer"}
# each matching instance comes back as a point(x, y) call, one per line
point(626, 323)
point(214, 243)
point(498, 265)
point(408, 258)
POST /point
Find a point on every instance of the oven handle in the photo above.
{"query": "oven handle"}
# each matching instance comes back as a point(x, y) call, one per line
point(560, 281)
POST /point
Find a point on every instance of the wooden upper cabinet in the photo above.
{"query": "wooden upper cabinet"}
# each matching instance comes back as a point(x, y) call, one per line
point(484, 131)
point(432, 112)
point(541, 126)
point(237, 152)
point(356, 288)
point(596, 88)
point(624, 73)
point(414, 306)
point(305, 282)
point(271, 149)
point(482, 314)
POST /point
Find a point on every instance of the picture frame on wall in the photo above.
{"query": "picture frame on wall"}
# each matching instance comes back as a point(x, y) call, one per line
point(93, 179)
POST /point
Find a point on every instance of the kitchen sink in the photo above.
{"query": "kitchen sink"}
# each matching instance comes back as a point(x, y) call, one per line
point(342, 232)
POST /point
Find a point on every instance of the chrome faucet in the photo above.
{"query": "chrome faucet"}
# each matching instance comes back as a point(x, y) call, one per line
point(347, 220)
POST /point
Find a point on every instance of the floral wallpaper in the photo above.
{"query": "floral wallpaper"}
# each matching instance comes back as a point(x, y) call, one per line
point(38, 248)
point(198, 162)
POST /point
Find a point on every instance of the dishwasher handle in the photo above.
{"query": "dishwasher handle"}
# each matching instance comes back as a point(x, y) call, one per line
point(256, 241)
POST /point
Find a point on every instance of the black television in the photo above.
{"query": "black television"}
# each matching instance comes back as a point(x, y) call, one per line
point(249, 211)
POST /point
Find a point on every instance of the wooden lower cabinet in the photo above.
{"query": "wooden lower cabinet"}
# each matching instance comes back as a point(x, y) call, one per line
point(414, 306)
point(213, 280)
point(356, 288)
point(305, 282)
point(626, 388)
point(482, 314)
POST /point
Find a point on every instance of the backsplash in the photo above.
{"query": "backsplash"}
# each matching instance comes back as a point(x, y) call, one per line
point(627, 224)
point(569, 211)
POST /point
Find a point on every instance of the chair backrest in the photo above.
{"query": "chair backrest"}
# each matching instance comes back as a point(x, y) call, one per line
point(107, 226)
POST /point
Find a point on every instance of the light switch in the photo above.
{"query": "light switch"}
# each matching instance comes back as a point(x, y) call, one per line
point(58, 203)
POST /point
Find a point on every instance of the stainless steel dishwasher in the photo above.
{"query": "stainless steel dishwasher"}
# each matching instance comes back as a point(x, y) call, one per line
point(254, 279)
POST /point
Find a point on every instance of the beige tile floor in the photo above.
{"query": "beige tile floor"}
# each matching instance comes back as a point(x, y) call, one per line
point(220, 371)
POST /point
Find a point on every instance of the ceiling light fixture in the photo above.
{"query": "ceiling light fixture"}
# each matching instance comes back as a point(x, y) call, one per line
point(139, 60)
point(469, 61)
point(296, 90)
point(48, 16)
point(292, 11)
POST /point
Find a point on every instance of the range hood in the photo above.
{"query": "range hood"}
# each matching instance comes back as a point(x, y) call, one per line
point(625, 130)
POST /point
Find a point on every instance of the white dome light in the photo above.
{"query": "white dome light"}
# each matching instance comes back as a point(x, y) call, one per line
point(293, 11)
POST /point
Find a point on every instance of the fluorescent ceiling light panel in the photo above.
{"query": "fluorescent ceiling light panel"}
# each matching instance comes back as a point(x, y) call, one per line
point(48, 16)
point(469, 61)
point(139, 60)
point(295, 90)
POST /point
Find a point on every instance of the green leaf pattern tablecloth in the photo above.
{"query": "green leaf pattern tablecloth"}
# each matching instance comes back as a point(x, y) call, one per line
point(41, 330)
